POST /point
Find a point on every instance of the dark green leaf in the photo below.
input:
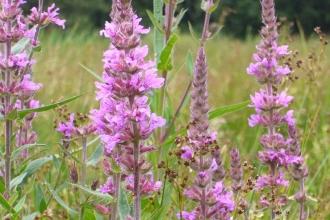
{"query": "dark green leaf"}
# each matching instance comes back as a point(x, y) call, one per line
point(193, 33)
point(60, 201)
point(42, 206)
point(20, 45)
point(96, 156)
point(228, 109)
point(41, 198)
point(5, 204)
point(12, 115)
point(190, 63)
point(92, 73)
point(155, 22)
point(165, 60)
point(2, 185)
point(25, 112)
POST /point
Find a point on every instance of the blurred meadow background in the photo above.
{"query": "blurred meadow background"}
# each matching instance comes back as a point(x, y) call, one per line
point(58, 69)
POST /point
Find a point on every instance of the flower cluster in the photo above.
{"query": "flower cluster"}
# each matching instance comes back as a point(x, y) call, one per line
point(124, 120)
point(268, 104)
point(17, 88)
point(203, 155)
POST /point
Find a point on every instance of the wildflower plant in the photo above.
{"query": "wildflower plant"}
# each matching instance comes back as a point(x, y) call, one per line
point(124, 120)
point(278, 152)
point(150, 170)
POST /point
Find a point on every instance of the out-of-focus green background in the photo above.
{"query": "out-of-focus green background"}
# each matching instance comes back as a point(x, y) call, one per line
point(58, 69)
point(240, 17)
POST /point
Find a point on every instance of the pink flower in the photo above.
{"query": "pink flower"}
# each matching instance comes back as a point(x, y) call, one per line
point(46, 17)
point(270, 181)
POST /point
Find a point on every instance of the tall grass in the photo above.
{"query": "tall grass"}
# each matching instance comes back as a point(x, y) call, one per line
point(59, 71)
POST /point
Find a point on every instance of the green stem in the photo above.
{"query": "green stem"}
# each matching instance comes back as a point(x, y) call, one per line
point(8, 123)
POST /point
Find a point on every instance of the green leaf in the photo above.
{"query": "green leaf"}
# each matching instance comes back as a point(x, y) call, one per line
point(2, 186)
point(25, 112)
point(60, 201)
point(56, 163)
point(155, 22)
point(165, 60)
point(71, 155)
point(178, 19)
point(215, 33)
point(115, 168)
point(193, 33)
point(175, 73)
point(97, 215)
point(96, 156)
point(37, 49)
point(213, 8)
point(41, 198)
point(31, 216)
point(92, 73)
point(228, 109)
point(123, 205)
point(17, 180)
point(34, 166)
point(12, 115)
point(20, 45)
point(158, 37)
point(190, 63)
point(106, 197)
point(20, 204)
point(42, 206)
point(89, 215)
point(171, 139)
point(25, 162)
point(19, 150)
point(30, 185)
point(5, 204)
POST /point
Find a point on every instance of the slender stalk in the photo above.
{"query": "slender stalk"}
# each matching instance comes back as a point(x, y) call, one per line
point(83, 172)
point(57, 181)
point(301, 209)
point(167, 131)
point(136, 170)
point(8, 123)
point(202, 201)
point(116, 180)
point(169, 13)
point(84, 160)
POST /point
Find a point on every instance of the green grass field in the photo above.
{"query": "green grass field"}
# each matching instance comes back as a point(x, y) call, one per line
point(58, 69)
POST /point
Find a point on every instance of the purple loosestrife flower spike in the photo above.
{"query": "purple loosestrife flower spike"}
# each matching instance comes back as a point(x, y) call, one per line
point(279, 153)
point(124, 120)
point(204, 155)
point(236, 172)
point(199, 107)
point(17, 87)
